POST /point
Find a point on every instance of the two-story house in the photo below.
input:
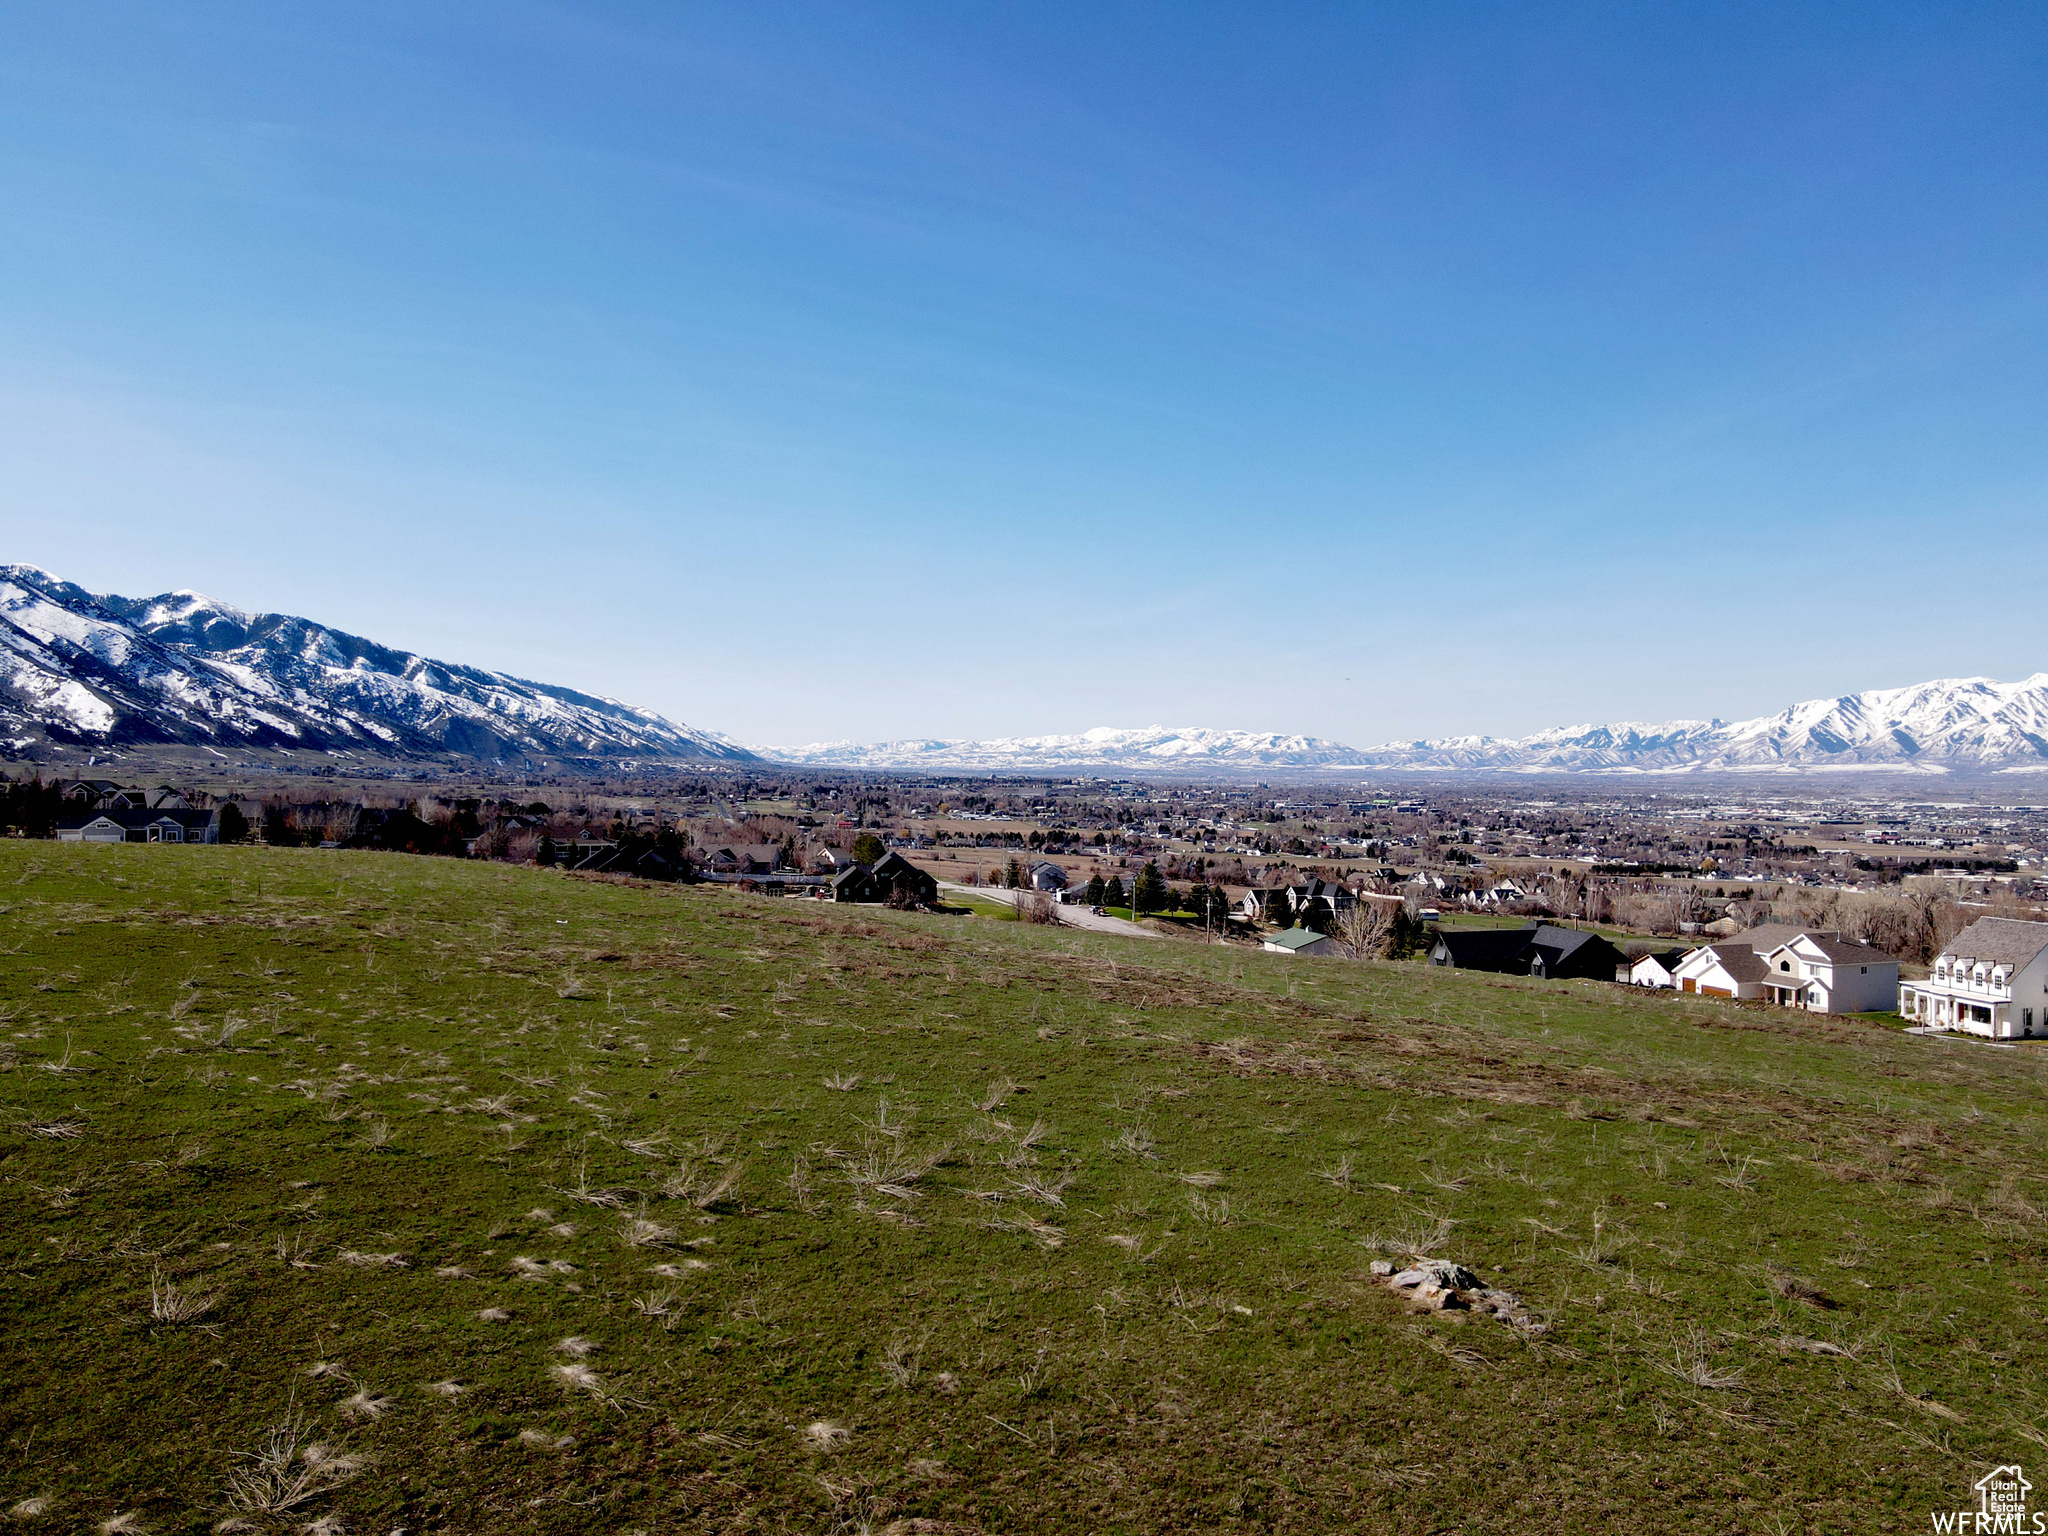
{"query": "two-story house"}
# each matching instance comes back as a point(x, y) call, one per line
point(1991, 980)
point(1823, 974)
point(1044, 875)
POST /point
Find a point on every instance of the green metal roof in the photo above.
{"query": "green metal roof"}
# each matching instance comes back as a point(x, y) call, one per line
point(1296, 938)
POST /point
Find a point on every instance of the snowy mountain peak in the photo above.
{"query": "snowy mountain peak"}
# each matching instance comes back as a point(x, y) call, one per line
point(1157, 748)
point(1952, 725)
point(182, 668)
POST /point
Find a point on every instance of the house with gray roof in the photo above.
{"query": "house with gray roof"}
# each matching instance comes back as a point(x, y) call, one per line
point(1044, 875)
point(1991, 980)
point(1824, 974)
point(127, 825)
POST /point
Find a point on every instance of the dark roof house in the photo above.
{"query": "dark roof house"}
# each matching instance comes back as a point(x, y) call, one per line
point(1504, 950)
point(890, 877)
point(1540, 949)
point(755, 859)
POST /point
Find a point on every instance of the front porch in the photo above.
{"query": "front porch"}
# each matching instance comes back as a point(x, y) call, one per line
point(1794, 994)
point(1942, 1010)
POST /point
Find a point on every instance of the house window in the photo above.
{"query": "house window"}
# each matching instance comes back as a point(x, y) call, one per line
point(1784, 965)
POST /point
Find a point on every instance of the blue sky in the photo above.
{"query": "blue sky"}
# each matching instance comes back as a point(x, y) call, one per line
point(829, 371)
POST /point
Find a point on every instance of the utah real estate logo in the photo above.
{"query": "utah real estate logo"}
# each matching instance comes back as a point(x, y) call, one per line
point(2002, 1507)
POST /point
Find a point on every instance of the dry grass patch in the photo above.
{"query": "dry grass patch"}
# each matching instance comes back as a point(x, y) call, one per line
point(172, 1303)
point(289, 1469)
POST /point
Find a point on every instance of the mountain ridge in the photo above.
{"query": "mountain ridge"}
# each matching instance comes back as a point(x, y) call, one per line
point(1155, 746)
point(1947, 726)
point(181, 669)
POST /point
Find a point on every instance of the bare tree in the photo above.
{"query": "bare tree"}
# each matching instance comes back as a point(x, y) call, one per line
point(1364, 928)
point(1038, 907)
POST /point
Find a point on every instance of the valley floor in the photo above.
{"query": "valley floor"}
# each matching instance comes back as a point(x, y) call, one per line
point(540, 1204)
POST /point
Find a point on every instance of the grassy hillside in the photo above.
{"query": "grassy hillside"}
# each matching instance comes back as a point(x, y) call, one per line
point(540, 1204)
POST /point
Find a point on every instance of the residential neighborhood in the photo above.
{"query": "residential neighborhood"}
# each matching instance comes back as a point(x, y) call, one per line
point(1735, 944)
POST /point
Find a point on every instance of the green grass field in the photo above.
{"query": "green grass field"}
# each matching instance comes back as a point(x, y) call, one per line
point(982, 906)
point(412, 1193)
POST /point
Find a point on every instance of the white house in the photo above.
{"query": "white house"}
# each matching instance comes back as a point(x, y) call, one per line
point(1045, 875)
point(123, 825)
point(1829, 975)
point(1657, 970)
point(1991, 980)
point(1731, 969)
point(1301, 941)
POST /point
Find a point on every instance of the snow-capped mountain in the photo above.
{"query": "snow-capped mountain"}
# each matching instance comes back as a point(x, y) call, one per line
point(1957, 725)
point(1954, 725)
point(1156, 749)
point(183, 669)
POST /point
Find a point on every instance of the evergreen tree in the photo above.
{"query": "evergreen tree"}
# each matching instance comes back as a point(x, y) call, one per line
point(1113, 892)
point(1406, 937)
point(277, 831)
point(1280, 908)
point(1092, 894)
point(32, 806)
point(1148, 894)
point(1013, 875)
point(234, 826)
point(544, 855)
point(867, 849)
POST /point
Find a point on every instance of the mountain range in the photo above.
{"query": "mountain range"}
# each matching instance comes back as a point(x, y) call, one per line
point(1154, 748)
point(1953, 725)
point(1957, 725)
point(182, 670)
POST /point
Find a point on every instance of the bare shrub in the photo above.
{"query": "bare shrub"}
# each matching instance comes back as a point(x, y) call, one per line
point(1038, 907)
point(289, 1468)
